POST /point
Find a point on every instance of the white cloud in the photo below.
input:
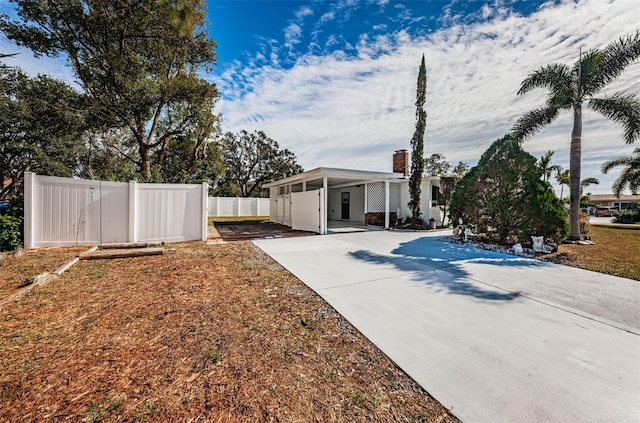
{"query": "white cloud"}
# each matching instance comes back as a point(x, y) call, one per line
point(342, 111)
point(304, 12)
point(292, 35)
point(329, 16)
point(486, 11)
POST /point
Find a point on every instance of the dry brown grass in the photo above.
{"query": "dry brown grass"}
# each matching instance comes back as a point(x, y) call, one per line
point(203, 333)
point(15, 270)
point(242, 219)
point(616, 252)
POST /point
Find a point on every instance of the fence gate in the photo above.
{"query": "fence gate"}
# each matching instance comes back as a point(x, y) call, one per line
point(308, 211)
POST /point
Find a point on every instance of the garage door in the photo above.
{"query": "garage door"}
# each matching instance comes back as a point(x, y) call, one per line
point(308, 211)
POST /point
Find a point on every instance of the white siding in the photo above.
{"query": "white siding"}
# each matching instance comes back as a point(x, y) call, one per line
point(356, 203)
point(428, 212)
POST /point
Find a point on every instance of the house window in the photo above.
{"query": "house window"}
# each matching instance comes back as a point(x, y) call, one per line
point(435, 192)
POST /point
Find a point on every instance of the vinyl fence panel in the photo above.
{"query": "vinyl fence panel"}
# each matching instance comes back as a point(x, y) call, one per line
point(65, 211)
point(169, 213)
point(238, 207)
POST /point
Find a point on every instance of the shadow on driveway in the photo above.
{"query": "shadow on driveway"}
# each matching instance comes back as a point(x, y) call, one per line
point(439, 264)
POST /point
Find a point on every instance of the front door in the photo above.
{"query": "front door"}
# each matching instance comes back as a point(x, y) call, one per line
point(345, 206)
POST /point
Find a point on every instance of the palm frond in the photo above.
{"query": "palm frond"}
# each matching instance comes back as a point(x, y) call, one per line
point(589, 181)
point(555, 77)
point(533, 121)
point(623, 109)
point(620, 161)
point(628, 176)
point(615, 58)
point(588, 68)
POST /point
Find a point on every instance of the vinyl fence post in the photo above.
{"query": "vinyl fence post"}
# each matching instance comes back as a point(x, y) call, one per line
point(29, 180)
point(205, 211)
point(133, 235)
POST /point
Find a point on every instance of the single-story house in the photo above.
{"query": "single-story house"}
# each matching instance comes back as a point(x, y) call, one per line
point(323, 197)
point(611, 201)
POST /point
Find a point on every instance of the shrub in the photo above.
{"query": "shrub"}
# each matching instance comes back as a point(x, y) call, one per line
point(629, 215)
point(505, 198)
point(10, 232)
point(11, 227)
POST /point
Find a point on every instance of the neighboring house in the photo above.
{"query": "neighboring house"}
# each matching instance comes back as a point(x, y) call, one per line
point(611, 201)
point(316, 199)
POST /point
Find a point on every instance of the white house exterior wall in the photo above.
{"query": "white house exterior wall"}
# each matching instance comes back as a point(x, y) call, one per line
point(356, 203)
point(428, 212)
point(370, 192)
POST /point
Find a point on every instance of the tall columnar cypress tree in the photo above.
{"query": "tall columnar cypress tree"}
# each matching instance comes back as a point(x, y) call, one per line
point(417, 145)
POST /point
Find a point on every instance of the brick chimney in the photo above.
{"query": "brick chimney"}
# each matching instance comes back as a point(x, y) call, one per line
point(401, 162)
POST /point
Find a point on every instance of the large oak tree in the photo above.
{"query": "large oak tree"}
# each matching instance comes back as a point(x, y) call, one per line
point(253, 159)
point(41, 122)
point(136, 59)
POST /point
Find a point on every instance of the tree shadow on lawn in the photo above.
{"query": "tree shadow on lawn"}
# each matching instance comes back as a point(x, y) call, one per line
point(437, 263)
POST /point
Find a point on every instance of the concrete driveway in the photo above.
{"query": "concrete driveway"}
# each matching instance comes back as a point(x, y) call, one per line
point(493, 337)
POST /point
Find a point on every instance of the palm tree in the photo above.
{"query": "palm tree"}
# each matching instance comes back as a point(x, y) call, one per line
point(630, 175)
point(588, 181)
point(563, 178)
point(546, 166)
point(568, 88)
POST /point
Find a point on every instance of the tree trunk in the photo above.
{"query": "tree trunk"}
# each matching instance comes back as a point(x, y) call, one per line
point(145, 161)
point(574, 172)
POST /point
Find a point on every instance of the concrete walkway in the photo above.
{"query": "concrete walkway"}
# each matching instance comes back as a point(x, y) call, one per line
point(493, 337)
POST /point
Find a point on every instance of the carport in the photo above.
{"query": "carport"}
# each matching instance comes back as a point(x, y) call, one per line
point(313, 199)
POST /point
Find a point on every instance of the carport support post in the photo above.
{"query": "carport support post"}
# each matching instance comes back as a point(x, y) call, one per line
point(325, 186)
point(386, 204)
point(366, 189)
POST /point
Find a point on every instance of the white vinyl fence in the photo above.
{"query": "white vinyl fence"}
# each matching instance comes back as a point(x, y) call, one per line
point(238, 206)
point(65, 211)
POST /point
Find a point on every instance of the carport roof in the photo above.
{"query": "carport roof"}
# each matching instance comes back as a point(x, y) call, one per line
point(338, 177)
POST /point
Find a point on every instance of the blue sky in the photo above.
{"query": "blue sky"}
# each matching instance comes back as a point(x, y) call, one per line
point(335, 82)
point(257, 31)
